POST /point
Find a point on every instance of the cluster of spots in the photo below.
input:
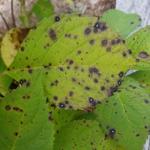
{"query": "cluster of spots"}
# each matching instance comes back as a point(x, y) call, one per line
point(98, 27)
point(93, 102)
point(71, 36)
point(26, 97)
point(17, 109)
point(109, 43)
point(30, 70)
point(22, 82)
point(114, 89)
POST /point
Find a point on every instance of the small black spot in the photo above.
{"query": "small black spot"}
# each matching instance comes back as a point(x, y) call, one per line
point(61, 69)
point(137, 135)
point(71, 93)
point(92, 42)
point(57, 18)
point(124, 54)
point(104, 42)
point(119, 82)
point(7, 107)
point(146, 101)
point(129, 51)
point(121, 74)
point(30, 70)
point(95, 80)
point(22, 49)
point(52, 34)
point(87, 88)
point(55, 98)
point(16, 133)
point(102, 88)
point(14, 85)
point(87, 31)
point(143, 55)
point(78, 52)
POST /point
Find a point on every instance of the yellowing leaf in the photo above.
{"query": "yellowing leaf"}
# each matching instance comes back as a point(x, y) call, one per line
point(11, 43)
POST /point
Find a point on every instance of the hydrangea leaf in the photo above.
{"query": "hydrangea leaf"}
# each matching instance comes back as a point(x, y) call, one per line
point(82, 60)
point(83, 134)
point(139, 42)
point(127, 113)
point(121, 22)
point(42, 9)
point(24, 119)
point(11, 43)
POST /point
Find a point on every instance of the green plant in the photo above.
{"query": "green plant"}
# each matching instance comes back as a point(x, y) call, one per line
point(67, 87)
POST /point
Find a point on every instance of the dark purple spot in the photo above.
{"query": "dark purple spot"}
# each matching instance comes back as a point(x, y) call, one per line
point(52, 34)
point(143, 55)
point(121, 74)
point(55, 98)
point(87, 31)
point(71, 93)
point(111, 133)
point(94, 70)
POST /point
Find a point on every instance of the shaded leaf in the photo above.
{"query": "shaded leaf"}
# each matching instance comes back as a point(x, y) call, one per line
point(128, 113)
point(79, 66)
point(121, 22)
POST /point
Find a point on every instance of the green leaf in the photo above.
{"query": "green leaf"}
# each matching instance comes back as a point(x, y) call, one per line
point(127, 112)
point(77, 62)
point(121, 22)
point(43, 9)
point(83, 135)
point(24, 119)
point(139, 42)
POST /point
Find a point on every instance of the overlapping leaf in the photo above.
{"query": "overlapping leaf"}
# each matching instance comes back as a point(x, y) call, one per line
point(24, 119)
point(121, 22)
point(139, 42)
point(127, 112)
point(81, 58)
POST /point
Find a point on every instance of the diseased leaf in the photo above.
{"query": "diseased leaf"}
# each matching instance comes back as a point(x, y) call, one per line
point(121, 22)
point(127, 112)
point(43, 9)
point(83, 134)
point(24, 120)
point(82, 60)
point(139, 42)
point(11, 43)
